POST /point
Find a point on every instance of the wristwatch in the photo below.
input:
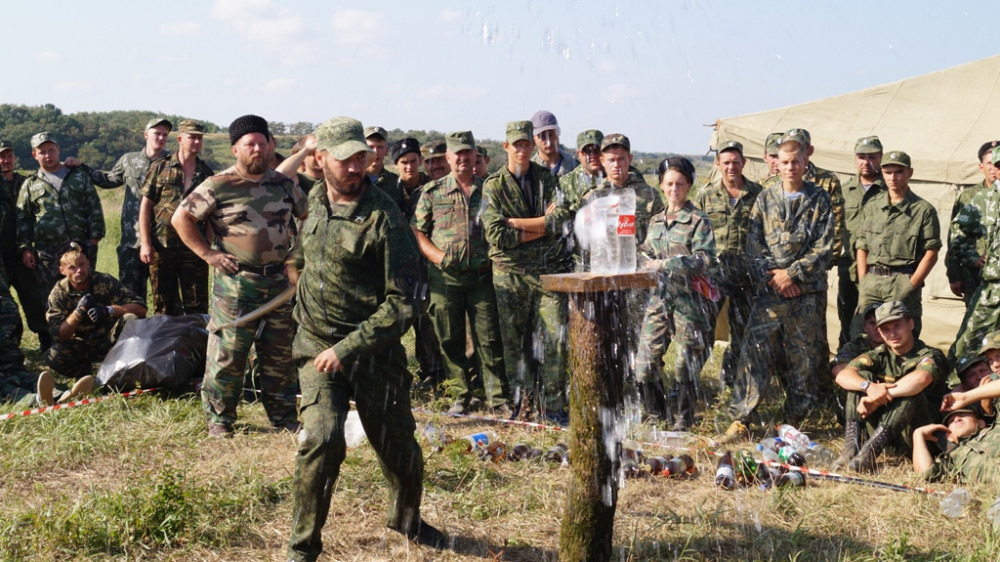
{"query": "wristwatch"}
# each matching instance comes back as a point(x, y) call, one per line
point(865, 385)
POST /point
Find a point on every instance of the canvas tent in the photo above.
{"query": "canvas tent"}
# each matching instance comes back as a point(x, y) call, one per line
point(940, 119)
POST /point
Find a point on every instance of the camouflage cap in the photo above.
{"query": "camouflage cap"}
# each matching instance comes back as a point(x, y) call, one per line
point(990, 341)
point(159, 121)
point(730, 145)
point(896, 158)
point(889, 311)
point(376, 130)
point(481, 150)
point(460, 140)
point(341, 137)
point(589, 137)
point(519, 130)
point(5, 145)
point(967, 410)
point(191, 127)
point(616, 139)
point(771, 143)
point(995, 155)
point(800, 136)
point(870, 309)
point(403, 147)
point(964, 363)
point(433, 149)
point(39, 138)
point(868, 145)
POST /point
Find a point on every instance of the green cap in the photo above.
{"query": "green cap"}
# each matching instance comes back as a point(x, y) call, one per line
point(870, 308)
point(459, 141)
point(519, 130)
point(771, 143)
point(159, 121)
point(800, 136)
point(892, 310)
point(616, 139)
point(990, 341)
point(191, 127)
point(433, 149)
point(896, 158)
point(38, 138)
point(966, 410)
point(589, 137)
point(341, 137)
point(6, 145)
point(868, 145)
point(730, 145)
point(995, 155)
point(481, 150)
point(376, 130)
point(964, 363)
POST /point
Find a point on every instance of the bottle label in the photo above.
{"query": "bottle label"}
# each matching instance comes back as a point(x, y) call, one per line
point(725, 472)
point(481, 439)
point(626, 225)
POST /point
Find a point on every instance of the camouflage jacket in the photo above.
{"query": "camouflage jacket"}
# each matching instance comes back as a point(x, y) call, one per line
point(830, 183)
point(129, 170)
point(359, 279)
point(956, 264)
point(64, 298)
point(408, 196)
point(847, 352)
point(9, 191)
point(973, 460)
point(306, 183)
point(897, 235)
point(504, 200)
point(648, 202)
point(575, 183)
point(253, 221)
point(454, 223)
point(730, 220)
point(681, 247)
point(164, 186)
point(567, 163)
point(855, 199)
point(792, 234)
point(882, 365)
point(975, 231)
point(47, 218)
point(389, 183)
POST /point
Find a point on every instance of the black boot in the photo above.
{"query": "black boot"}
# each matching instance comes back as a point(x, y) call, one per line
point(687, 397)
point(864, 461)
point(654, 402)
point(852, 442)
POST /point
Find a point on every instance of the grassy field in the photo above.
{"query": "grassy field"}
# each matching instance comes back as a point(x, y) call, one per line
point(138, 479)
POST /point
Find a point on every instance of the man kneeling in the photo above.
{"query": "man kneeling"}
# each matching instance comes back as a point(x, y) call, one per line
point(890, 389)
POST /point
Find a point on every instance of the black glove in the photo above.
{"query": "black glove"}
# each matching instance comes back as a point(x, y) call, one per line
point(86, 303)
point(99, 313)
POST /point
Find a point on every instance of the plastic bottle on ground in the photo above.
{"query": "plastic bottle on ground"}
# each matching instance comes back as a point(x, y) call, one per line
point(953, 505)
point(793, 437)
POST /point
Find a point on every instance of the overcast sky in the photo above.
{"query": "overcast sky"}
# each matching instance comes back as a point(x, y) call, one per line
point(655, 71)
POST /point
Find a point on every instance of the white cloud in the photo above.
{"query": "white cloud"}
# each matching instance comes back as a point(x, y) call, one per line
point(238, 9)
point(352, 27)
point(278, 84)
point(49, 56)
point(259, 20)
point(618, 93)
point(450, 16)
point(180, 29)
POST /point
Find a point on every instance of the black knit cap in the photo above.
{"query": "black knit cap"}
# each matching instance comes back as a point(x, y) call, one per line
point(247, 124)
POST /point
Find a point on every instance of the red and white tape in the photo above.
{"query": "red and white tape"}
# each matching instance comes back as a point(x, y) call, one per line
point(75, 403)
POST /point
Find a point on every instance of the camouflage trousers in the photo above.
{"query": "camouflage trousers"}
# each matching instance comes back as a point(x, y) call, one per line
point(74, 358)
point(737, 287)
point(380, 387)
point(686, 320)
point(226, 356)
point(180, 282)
point(132, 272)
point(784, 338)
point(533, 328)
point(879, 289)
point(982, 316)
point(901, 416)
point(452, 298)
point(16, 383)
point(29, 293)
point(847, 300)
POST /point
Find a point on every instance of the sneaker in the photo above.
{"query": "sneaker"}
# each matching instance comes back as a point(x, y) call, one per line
point(737, 432)
point(46, 384)
point(219, 430)
point(457, 408)
point(427, 535)
point(82, 387)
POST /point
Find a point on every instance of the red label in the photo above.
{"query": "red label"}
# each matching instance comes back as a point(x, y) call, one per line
point(626, 225)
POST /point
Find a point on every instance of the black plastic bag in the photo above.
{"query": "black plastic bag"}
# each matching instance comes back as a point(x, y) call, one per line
point(166, 352)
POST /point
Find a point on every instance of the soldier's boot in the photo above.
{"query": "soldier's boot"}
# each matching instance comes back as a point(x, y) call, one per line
point(687, 396)
point(852, 442)
point(654, 401)
point(864, 461)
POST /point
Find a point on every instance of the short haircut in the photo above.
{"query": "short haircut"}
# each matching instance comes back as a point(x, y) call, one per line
point(70, 256)
point(986, 148)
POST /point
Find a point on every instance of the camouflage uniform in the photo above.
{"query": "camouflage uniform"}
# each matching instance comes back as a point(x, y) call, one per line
point(855, 198)
point(975, 232)
point(648, 201)
point(48, 218)
point(356, 295)
point(254, 222)
point(129, 170)
point(903, 414)
point(307, 183)
point(175, 268)
point(974, 460)
point(90, 342)
point(20, 278)
point(955, 268)
point(730, 223)
point(532, 320)
point(783, 335)
point(830, 183)
point(681, 247)
point(389, 183)
point(567, 162)
point(573, 185)
point(16, 383)
point(463, 284)
point(896, 236)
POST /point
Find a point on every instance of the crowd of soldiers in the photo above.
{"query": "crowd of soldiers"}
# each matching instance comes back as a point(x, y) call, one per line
point(458, 254)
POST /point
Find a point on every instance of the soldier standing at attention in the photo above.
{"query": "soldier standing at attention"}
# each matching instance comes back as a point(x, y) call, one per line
point(57, 205)
point(589, 173)
point(482, 161)
point(130, 170)
point(728, 203)
point(435, 164)
point(355, 300)
point(383, 179)
point(963, 277)
point(771, 155)
point(179, 277)
point(546, 137)
point(449, 230)
point(897, 243)
point(858, 191)
point(525, 227)
point(250, 208)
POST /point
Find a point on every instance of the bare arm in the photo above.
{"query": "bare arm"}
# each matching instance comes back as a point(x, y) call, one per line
point(430, 251)
point(924, 267)
point(862, 259)
point(145, 230)
point(187, 228)
point(922, 459)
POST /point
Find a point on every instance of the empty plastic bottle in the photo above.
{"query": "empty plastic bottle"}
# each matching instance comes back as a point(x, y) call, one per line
point(818, 455)
point(953, 505)
point(793, 437)
point(789, 455)
point(480, 440)
point(790, 478)
point(772, 443)
point(436, 436)
point(993, 513)
point(725, 473)
point(768, 454)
